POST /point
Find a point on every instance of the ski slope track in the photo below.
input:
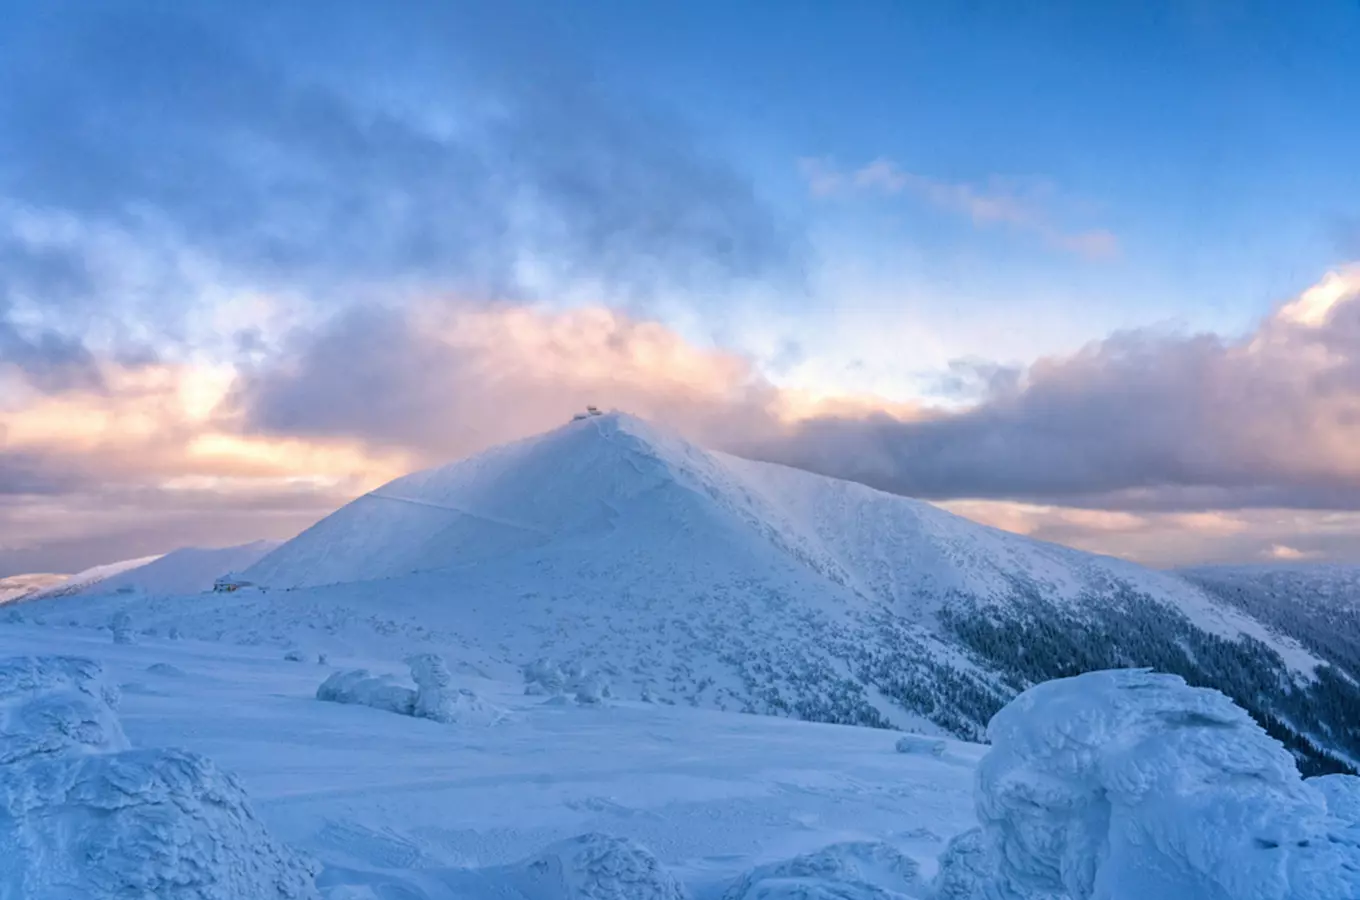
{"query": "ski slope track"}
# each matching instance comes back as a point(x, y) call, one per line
point(697, 578)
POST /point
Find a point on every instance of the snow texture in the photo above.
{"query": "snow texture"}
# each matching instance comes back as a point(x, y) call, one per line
point(141, 823)
point(855, 870)
point(83, 817)
point(595, 867)
point(1342, 793)
point(1126, 785)
point(55, 705)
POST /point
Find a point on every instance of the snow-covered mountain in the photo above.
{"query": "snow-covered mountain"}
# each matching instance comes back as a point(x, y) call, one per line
point(695, 577)
point(86, 581)
point(1317, 604)
point(188, 570)
point(17, 587)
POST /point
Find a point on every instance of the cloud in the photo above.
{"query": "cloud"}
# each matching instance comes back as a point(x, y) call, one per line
point(1283, 553)
point(444, 382)
point(277, 148)
point(1019, 207)
point(1142, 419)
point(1174, 539)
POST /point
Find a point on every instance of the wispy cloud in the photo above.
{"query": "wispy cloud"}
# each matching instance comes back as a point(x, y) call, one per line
point(993, 205)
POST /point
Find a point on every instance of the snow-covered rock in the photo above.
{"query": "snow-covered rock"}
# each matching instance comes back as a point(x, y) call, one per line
point(141, 823)
point(1126, 785)
point(121, 626)
point(82, 816)
point(434, 697)
point(595, 867)
point(55, 705)
point(358, 687)
point(919, 743)
point(855, 870)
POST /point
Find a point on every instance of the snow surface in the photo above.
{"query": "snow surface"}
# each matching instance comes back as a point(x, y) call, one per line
point(1108, 786)
point(402, 808)
point(1127, 784)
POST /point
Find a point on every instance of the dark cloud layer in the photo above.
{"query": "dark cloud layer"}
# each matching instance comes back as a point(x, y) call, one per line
point(238, 131)
point(1139, 420)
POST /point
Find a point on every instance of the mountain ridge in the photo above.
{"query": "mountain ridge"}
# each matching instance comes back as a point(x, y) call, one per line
point(689, 576)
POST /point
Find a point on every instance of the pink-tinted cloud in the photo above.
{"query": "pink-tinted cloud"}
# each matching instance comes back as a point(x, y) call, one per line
point(997, 204)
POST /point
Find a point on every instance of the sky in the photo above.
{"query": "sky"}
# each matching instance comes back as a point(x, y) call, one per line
point(1088, 272)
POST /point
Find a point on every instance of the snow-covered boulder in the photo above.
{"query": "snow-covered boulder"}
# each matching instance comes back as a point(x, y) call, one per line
point(543, 677)
point(141, 823)
point(594, 867)
point(51, 705)
point(434, 698)
point(855, 870)
point(918, 744)
point(359, 688)
point(82, 816)
point(1127, 785)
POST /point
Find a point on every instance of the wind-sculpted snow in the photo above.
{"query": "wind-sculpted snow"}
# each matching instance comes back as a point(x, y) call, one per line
point(54, 705)
point(594, 867)
point(856, 870)
point(1127, 785)
point(83, 817)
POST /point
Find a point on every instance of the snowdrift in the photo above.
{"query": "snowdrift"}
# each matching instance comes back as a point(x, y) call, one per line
point(1127, 785)
point(83, 816)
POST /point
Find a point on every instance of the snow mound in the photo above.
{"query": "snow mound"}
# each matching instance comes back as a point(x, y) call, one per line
point(53, 705)
point(82, 816)
point(1125, 785)
point(595, 867)
point(357, 687)
point(167, 669)
point(434, 698)
point(855, 870)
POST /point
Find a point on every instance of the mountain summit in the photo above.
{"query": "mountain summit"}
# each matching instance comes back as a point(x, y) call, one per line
point(688, 576)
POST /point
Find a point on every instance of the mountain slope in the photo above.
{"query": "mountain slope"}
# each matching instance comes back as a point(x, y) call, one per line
point(188, 570)
point(85, 580)
point(695, 577)
point(1318, 604)
point(17, 587)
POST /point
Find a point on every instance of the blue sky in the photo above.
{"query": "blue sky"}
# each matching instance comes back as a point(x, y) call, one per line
point(256, 257)
point(1211, 142)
